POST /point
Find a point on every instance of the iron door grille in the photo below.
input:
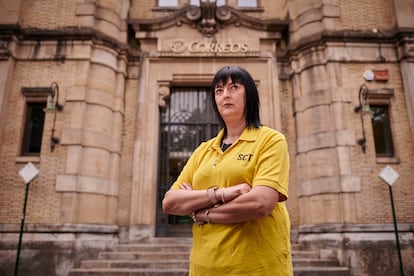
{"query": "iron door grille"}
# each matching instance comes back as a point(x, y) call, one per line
point(187, 120)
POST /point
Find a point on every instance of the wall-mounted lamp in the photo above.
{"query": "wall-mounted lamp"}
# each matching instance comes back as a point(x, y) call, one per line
point(53, 105)
point(361, 108)
point(53, 102)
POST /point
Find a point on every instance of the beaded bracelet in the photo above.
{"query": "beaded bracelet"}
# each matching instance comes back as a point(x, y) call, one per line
point(193, 216)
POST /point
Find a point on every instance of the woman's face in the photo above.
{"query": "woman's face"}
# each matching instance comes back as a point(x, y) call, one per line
point(231, 100)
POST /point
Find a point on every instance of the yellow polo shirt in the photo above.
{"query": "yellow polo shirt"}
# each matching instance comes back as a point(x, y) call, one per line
point(258, 247)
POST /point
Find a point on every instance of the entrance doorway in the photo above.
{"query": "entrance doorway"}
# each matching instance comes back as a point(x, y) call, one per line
point(187, 120)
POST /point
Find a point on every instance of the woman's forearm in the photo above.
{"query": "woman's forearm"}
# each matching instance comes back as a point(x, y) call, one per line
point(250, 206)
point(185, 200)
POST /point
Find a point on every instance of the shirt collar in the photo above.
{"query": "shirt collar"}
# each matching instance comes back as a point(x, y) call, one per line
point(248, 134)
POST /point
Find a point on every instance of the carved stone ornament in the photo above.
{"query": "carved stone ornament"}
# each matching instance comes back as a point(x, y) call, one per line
point(163, 93)
point(208, 19)
point(207, 15)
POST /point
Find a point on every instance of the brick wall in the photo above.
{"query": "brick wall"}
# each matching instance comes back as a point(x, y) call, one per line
point(43, 203)
point(48, 14)
point(374, 200)
point(363, 15)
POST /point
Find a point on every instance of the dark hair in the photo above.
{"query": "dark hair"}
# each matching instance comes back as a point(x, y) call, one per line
point(238, 75)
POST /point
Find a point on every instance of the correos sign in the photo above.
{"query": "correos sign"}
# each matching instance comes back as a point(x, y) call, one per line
point(181, 46)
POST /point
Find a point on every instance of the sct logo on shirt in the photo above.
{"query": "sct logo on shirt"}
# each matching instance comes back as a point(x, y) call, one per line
point(244, 157)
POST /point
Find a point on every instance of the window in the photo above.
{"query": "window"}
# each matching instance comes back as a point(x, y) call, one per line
point(247, 3)
point(33, 129)
point(167, 3)
point(36, 98)
point(381, 129)
point(220, 3)
point(379, 101)
point(240, 3)
point(187, 120)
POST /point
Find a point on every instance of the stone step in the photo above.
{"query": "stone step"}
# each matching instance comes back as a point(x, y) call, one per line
point(140, 255)
point(315, 262)
point(183, 263)
point(127, 272)
point(134, 253)
point(158, 264)
point(167, 240)
point(321, 271)
point(297, 271)
point(154, 247)
point(306, 254)
point(167, 256)
point(296, 246)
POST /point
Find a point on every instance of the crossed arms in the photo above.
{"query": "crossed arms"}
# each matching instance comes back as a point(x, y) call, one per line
point(241, 203)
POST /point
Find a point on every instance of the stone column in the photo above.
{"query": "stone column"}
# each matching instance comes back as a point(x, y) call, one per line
point(93, 140)
point(404, 10)
point(324, 140)
point(93, 132)
point(9, 14)
point(325, 181)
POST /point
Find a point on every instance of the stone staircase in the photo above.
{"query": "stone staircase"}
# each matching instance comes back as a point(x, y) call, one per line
point(316, 262)
point(169, 256)
point(155, 257)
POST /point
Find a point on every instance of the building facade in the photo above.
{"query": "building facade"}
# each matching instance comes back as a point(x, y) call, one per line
point(100, 95)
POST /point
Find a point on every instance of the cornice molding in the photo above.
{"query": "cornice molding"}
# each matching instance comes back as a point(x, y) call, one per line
point(72, 33)
point(397, 37)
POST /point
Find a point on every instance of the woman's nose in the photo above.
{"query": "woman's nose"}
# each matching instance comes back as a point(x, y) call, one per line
point(226, 92)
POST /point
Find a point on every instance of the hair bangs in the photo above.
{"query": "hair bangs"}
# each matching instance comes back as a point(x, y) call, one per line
point(234, 73)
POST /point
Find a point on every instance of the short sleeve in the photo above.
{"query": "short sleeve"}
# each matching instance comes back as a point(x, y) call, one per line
point(272, 167)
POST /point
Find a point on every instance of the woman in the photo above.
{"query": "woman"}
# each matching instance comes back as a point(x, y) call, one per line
point(234, 187)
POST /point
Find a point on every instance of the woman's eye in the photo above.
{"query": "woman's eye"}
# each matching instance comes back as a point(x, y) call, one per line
point(233, 87)
point(219, 91)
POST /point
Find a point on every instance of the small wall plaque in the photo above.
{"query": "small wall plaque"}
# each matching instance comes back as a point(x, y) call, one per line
point(381, 75)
